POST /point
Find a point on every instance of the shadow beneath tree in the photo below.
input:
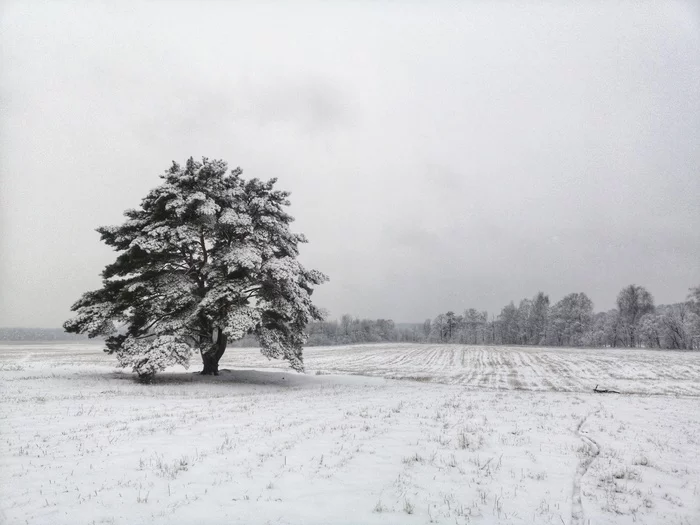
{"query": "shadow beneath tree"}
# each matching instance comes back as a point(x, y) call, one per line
point(255, 377)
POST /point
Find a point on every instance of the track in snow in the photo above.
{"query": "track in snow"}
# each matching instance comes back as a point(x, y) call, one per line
point(592, 450)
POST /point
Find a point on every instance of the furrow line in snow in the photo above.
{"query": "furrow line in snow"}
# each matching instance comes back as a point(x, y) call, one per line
point(578, 515)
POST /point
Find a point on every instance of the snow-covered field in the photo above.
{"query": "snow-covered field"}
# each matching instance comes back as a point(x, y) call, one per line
point(480, 435)
point(507, 368)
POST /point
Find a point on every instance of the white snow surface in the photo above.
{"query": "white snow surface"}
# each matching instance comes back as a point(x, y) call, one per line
point(468, 435)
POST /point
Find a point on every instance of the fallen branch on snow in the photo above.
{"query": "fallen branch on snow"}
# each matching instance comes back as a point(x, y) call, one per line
point(604, 391)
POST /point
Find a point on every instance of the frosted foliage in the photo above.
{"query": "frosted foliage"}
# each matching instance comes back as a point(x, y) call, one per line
point(148, 243)
point(208, 207)
point(240, 321)
point(216, 296)
point(148, 356)
point(274, 346)
point(196, 197)
point(93, 320)
point(316, 277)
point(175, 204)
point(230, 217)
point(284, 269)
point(246, 257)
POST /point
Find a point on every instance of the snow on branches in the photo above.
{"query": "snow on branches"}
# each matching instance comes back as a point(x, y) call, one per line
point(148, 356)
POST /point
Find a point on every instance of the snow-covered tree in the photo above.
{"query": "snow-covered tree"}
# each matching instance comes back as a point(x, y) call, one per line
point(633, 302)
point(474, 329)
point(537, 321)
point(508, 321)
point(523, 320)
point(694, 300)
point(570, 320)
point(670, 326)
point(694, 305)
point(208, 258)
point(439, 329)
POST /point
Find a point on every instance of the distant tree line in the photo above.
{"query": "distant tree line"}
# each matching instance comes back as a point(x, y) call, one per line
point(636, 322)
point(351, 330)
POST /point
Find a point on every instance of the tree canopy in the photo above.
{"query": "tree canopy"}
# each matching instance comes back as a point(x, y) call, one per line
point(207, 258)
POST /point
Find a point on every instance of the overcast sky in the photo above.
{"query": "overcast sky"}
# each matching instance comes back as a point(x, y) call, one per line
point(440, 156)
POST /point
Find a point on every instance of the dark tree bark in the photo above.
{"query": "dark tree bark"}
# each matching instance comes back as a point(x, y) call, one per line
point(211, 358)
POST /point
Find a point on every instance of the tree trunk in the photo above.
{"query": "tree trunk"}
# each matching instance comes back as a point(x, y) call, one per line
point(210, 359)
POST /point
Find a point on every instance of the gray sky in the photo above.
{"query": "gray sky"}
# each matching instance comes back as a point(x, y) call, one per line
point(440, 156)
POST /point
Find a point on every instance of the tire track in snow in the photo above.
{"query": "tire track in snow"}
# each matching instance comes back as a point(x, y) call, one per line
point(578, 516)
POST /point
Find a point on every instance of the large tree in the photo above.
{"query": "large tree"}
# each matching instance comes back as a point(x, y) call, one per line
point(207, 258)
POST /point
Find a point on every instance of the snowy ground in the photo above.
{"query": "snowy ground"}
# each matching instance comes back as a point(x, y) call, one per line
point(482, 435)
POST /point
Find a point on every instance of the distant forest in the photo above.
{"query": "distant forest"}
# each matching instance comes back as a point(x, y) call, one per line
point(636, 322)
